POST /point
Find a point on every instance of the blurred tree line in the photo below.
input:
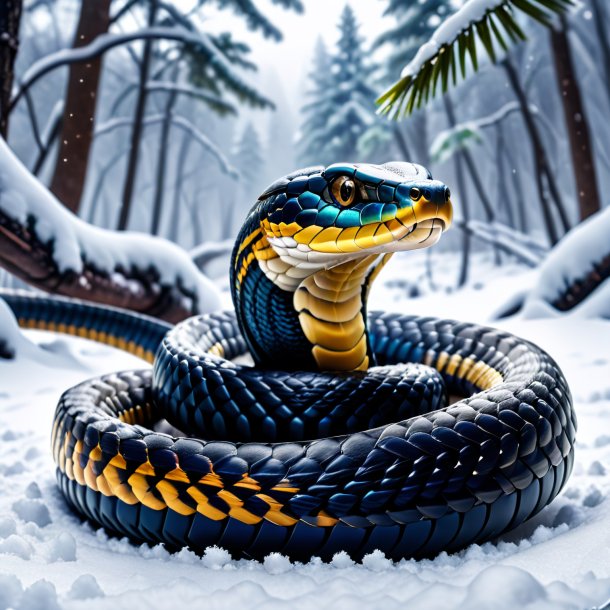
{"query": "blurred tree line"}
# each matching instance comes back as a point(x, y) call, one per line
point(140, 130)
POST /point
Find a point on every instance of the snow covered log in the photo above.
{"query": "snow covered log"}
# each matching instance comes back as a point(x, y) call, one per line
point(44, 244)
point(574, 277)
point(577, 265)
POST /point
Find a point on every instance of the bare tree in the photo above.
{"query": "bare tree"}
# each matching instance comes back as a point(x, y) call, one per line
point(548, 191)
point(174, 228)
point(464, 203)
point(583, 163)
point(162, 159)
point(76, 136)
point(10, 15)
point(138, 121)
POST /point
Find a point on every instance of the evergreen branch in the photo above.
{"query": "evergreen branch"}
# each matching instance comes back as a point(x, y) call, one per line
point(489, 22)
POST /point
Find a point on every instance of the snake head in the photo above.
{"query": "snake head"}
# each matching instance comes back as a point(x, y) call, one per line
point(321, 217)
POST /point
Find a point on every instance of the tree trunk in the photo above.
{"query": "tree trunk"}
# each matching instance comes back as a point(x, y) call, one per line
point(76, 135)
point(162, 160)
point(503, 197)
point(518, 189)
point(47, 145)
point(196, 221)
point(471, 166)
point(174, 229)
point(420, 138)
point(99, 188)
point(542, 167)
point(583, 163)
point(10, 15)
point(136, 132)
point(464, 204)
point(599, 19)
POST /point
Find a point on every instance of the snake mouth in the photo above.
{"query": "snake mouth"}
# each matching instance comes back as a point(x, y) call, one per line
point(422, 234)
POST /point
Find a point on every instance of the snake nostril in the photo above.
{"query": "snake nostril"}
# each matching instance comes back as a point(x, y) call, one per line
point(447, 194)
point(427, 194)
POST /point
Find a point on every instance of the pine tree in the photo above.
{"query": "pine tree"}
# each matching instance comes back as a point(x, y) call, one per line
point(342, 101)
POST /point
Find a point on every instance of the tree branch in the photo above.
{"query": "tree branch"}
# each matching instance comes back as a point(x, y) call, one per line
point(109, 41)
point(42, 243)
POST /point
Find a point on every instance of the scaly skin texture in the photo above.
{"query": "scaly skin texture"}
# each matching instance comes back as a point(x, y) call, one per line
point(390, 466)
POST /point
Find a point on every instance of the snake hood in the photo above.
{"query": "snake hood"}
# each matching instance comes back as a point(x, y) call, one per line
point(309, 249)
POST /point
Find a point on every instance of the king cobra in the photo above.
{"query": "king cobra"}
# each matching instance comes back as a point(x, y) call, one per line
point(341, 437)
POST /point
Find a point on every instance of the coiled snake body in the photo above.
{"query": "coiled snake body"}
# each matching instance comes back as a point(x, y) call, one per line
point(331, 442)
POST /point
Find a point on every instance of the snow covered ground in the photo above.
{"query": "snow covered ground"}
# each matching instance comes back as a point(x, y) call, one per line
point(561, 559)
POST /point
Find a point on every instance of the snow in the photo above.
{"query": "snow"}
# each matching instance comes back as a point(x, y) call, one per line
point(32, 511)
point(102, 43)
point(75, 241)
point(559, 560)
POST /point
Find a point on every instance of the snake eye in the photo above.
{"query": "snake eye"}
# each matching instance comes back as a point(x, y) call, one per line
point(343, 190)
point(415, 193)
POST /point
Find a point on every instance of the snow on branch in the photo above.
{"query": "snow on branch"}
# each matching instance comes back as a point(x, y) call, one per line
point(212, 101)
point(198, 40)
point(44, 244)
point(524, 248)
point(179, 122)
point(489, 22)
point(206, 143)
point(449, 141)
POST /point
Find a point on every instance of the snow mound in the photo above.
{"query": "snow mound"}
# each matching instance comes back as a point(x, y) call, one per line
point(40, 596)
point(512, 588)
point(62, 548)
point(15, 545)
point(32, 511)
point(85, 587)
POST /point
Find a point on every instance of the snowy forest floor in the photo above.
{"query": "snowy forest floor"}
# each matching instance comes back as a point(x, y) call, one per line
point(560, 559)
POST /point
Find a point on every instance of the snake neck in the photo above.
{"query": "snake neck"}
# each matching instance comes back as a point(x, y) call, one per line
point(331, 308)
point(297, 319)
